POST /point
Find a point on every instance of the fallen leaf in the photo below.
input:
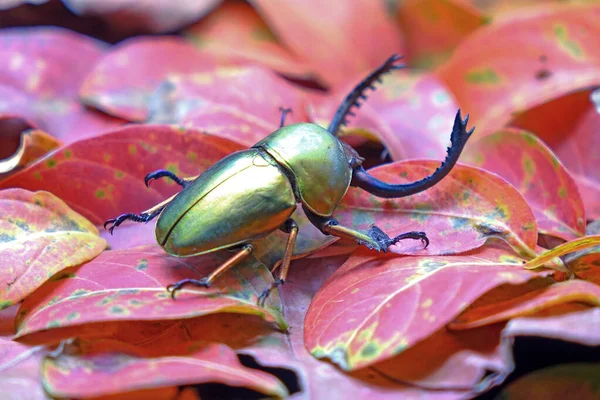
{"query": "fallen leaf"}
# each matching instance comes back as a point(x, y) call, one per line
point(103, 177)
point(354, 318)
point(34, 144)
point(433, 28)
point(20, 371)
point(40, 236)
point(130, 285)
point(558, 54)
point(235, 33)
point(116, 88)
point(527, 304)
point(334, 55)
point(531, 167)
point(91, 369)
point(560, 250)
point(458, 214)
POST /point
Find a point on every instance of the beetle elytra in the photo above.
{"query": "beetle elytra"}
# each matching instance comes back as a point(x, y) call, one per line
point(301, 164)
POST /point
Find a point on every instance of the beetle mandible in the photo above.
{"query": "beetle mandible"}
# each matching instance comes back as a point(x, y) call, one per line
point(297, 164)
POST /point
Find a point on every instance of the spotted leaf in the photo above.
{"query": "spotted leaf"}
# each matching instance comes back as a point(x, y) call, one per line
point(458, 214)
point(107, 367)
point(39, 236)
point(375, 307)
point(558, 54)
point(530, 166)
point(103, 177)
point(130, 285)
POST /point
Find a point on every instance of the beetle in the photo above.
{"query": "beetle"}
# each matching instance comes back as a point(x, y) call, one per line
point(296, 164)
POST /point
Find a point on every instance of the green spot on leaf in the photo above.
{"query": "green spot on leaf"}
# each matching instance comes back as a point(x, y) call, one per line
point(482, 76)
point(117, 310)
point(132, 149)
point(143, 264)
point(51, 163)
point(68, 153)
point(100, 194)
point(5, 304)
point(37, 175)
point(570, 46)
point(562, 192)
point(119, 174)
point(53, 324)
point(369, 351)
point(73, 315)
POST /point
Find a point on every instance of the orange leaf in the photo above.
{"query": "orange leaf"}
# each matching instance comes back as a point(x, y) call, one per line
point(39, 236)
point(34, 144)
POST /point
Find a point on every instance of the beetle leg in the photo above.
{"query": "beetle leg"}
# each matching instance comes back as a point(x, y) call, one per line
point(290, 227)
point(163, 173)
point(284, 113)
point(207, 281)
point(144, 216)
point(374, 238)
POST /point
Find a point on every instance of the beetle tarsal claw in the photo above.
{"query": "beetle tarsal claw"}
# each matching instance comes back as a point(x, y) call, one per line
point(384, 241)
point(263, 297)
point(174, 288)
point(163, 173)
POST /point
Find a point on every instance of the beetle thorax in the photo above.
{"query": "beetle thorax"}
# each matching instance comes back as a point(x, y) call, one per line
point(317, 161)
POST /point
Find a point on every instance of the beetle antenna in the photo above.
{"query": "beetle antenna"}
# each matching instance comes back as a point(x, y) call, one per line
point(358, 93)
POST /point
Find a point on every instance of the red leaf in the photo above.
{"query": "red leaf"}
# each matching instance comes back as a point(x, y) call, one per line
point(427, 292)
point(129, 285)
point(116, 88)
point(35, 87)
point(433, 28)
point(581, 156)
point(558, 53)
point(239, 103)
point(235, 33)
point(103, 177)
point(334, 54)
point(525, 161)
point(39, 236)
point(110, 367)
point(458, 214)
point(502, 309)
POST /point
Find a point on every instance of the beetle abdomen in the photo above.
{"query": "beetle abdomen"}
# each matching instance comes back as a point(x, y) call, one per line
point(239, 199)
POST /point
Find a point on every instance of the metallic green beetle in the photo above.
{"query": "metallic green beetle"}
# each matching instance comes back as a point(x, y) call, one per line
point(297, 164)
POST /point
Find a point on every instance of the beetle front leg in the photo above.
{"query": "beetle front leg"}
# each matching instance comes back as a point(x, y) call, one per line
point(374, 238)
point(290, 227)
point(144, 216)
point(163, 173)
point(207, 281)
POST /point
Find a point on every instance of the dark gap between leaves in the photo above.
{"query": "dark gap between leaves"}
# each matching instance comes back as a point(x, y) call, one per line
point(534, 353)
point(287, 376)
